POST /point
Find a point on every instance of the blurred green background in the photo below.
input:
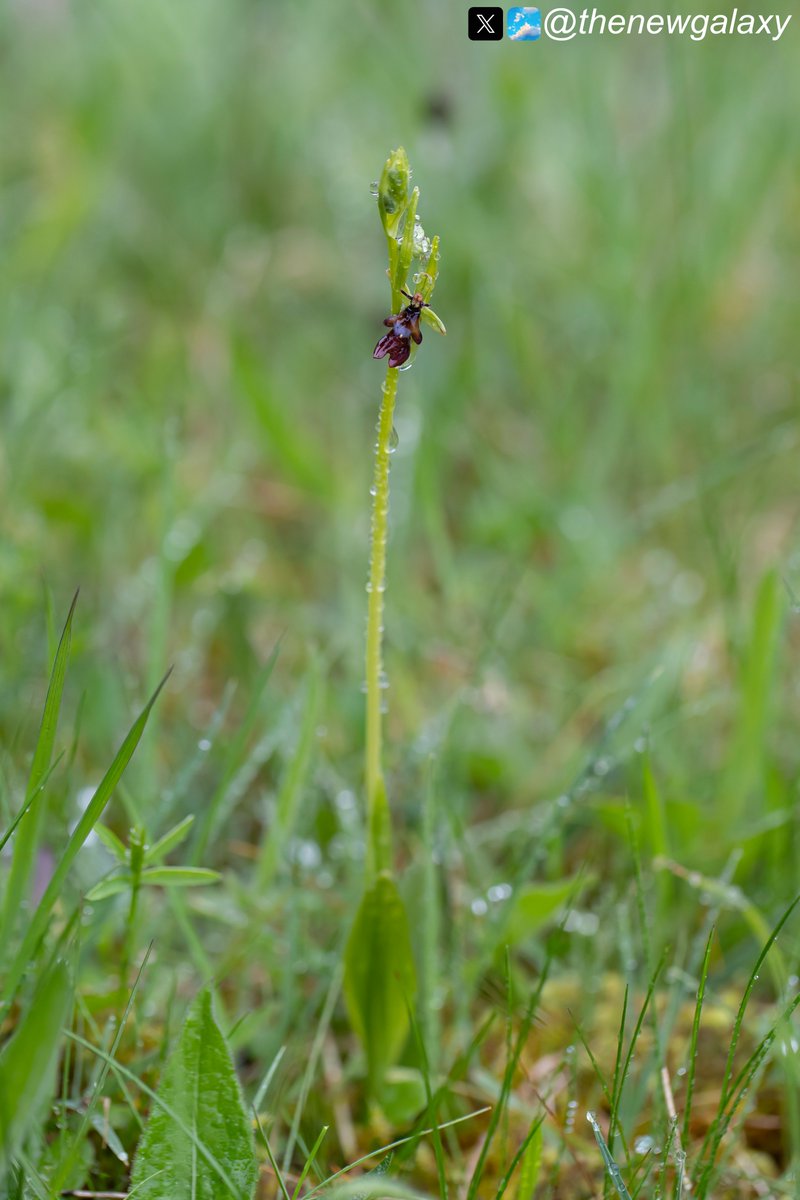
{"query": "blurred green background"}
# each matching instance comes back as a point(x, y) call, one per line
point(596, 468)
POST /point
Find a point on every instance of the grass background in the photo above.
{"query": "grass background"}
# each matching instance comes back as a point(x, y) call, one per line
point(594, 508)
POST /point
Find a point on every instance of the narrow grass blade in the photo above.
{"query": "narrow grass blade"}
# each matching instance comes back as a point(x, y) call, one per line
point(29, 835)
point(210, 821)
point(508, 1079)
point(88, 820)
point(736, 1094)
point(393, 1146)
point(310, 1161)
point(432, 1105)
point(291, 789)
point(276, 1169)
point(614, 1173)
point(692, 1067)
point(263, 1087)
point(63, 1172)
point(27, 802)
point(28, 1061)
point(529, 1154)
point(619, 1079)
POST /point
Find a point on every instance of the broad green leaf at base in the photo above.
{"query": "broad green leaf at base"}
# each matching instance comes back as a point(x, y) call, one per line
point(380, 978)
point(199, 1145)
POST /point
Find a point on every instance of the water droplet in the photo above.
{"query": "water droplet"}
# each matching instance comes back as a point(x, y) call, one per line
point(407, 366)
point(500, 891)
point(204, 744)
point(373, 491)
point(479, 907)
point(644, 1145)
point(373, 188)
point(394, 440)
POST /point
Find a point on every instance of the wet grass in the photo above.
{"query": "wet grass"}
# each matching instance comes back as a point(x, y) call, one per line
point(590, 747)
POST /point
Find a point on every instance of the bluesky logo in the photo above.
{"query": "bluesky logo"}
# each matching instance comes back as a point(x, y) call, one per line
point(524, 24)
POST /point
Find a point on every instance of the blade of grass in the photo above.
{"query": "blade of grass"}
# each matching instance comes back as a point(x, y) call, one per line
point(28, 802)
point(212, 817)
point(309, 1161)
point(313, 1058)
point(292, 784)
point(88, 819)
point(698, 1009)
point(62, 1173)
point(478, 1112)
point(29, 836)
point(276, 1169)
point(432, 1104)
point(508, 1079)
point(614, 1173)
point(737, 1092)
point(532, 1132)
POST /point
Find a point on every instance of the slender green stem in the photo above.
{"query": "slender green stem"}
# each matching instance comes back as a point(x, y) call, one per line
point(375, 589)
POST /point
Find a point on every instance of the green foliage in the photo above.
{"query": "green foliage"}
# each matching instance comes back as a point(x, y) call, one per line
point(531, 1164)
point(593, 535)
point(380, 978)
point(535, 904)
point(30, 830)
point(198, 1142)
point(37, 923)
point(143, 863)
point(28, 1062)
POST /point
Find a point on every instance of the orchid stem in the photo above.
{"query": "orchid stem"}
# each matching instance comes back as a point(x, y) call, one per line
point(375, 593)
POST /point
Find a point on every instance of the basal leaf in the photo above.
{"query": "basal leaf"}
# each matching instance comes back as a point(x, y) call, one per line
point(198, 1143)
point(380, 978)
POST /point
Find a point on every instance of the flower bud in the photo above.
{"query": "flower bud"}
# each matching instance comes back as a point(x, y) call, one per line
point(393, 190)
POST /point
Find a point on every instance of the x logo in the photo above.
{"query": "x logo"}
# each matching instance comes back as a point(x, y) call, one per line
point(485, 24)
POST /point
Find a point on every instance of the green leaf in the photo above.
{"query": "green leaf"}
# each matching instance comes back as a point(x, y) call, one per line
point(179, 877)
point(534, 905)
point(169, 841)
point(28, 1062)
point(112, 843)
point(530, 1166)
point(198, 1143)
point(380, 979)
point(402, 1095)
point(89, 818)
point(30, 828)
point(110, 887)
